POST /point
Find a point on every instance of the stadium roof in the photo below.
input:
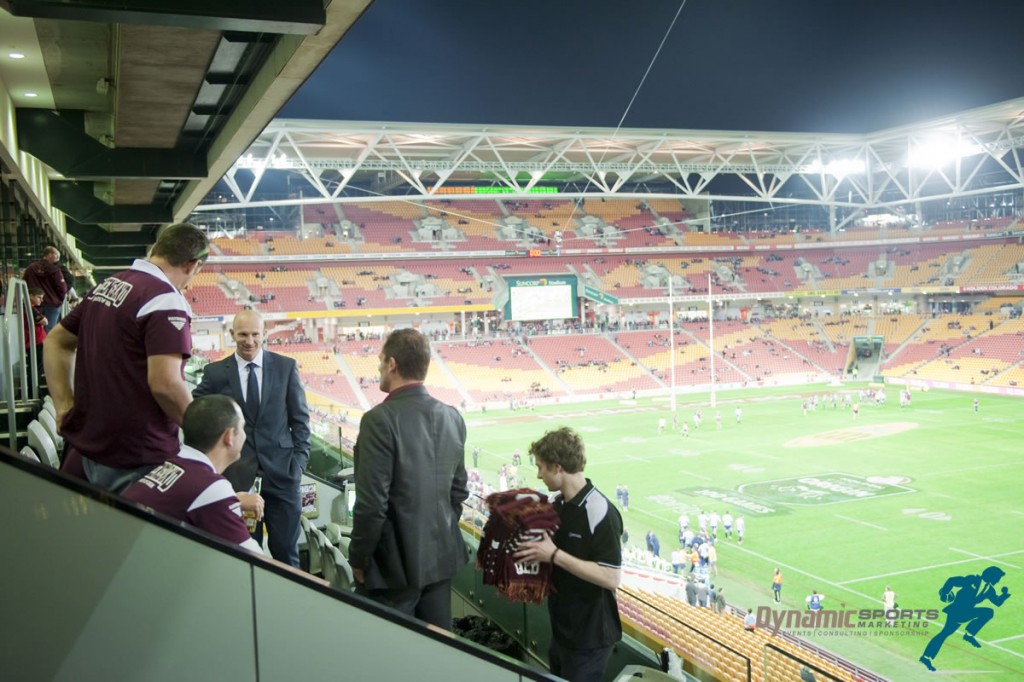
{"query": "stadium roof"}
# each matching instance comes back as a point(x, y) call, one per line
point(141, 111)
point(975, 152)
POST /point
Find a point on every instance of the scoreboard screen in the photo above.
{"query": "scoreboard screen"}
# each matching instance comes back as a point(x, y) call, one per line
point(540, 297)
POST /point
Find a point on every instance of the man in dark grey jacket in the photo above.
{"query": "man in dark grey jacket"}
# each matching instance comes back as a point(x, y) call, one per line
point(410, 478)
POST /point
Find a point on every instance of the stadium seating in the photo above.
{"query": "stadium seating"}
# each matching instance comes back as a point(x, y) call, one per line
point(724, 644)
point(251, 245)
point(41, 443)
point(314, 549)
point(318, 549)
point(492, 371)
point(589, 364)
point(336, 569)
point(49, 423)
point(28, 453)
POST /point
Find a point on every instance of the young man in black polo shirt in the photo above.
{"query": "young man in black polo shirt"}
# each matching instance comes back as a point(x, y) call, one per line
point(587, 560)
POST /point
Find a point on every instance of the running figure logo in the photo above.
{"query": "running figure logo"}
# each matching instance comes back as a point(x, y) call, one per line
point(964, 594)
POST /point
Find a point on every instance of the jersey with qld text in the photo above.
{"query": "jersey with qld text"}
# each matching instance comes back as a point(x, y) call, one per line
point(125, 319)
point(187, 488)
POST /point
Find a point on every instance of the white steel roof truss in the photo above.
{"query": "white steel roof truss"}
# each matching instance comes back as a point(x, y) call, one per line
point(261, 168)
point(407, 172)
point(348, 173)
point(509, 178)
point(311, 175)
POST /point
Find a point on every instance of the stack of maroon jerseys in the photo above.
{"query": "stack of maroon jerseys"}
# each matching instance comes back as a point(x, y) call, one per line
point(516, 516)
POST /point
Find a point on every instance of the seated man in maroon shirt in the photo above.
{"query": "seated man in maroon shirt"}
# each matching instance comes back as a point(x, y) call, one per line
point(189, 487)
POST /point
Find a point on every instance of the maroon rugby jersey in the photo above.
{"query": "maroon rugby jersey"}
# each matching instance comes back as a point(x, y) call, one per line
point(125, 319)
point(186, 487)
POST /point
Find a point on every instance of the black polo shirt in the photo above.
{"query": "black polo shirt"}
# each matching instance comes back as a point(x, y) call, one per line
point(583, 615)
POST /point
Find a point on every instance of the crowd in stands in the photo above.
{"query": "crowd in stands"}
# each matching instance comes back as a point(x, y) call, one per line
point(525, 362)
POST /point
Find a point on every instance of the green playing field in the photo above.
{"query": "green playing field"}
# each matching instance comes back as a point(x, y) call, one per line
point(908, 497)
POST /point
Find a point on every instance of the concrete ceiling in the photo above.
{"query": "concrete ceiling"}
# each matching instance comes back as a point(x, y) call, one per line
point(140, 107)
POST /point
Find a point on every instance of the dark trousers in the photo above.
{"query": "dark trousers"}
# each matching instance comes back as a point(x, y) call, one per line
point(109, 478)
point(579, 665)
point(52, 315)
point(281, 511)
point(39, 369)
point(431, 604)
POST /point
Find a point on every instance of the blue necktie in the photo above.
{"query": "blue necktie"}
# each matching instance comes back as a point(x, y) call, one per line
point(252, 393)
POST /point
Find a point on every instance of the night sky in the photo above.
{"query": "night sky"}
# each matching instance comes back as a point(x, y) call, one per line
point(770, 65)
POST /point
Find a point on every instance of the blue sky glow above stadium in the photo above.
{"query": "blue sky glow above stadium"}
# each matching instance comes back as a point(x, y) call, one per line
point(787, 65)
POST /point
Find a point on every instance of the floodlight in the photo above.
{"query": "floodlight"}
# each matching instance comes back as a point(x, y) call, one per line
point(837, 167)
point(937, 152)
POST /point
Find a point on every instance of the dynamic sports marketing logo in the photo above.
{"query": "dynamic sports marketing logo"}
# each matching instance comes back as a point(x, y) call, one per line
point(964, 595)
point(895, 622)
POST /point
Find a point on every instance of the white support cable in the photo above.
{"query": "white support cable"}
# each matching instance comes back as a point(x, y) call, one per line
point(636, 91)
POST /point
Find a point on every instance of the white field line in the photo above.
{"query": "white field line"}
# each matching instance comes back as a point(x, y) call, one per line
point(986, 558)
point(928, 568)
point(863, 523)
point(934, 474)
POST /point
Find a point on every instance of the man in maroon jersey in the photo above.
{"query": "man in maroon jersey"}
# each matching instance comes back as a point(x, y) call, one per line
point(189, 486)
point(45, 274)
point(127, 343)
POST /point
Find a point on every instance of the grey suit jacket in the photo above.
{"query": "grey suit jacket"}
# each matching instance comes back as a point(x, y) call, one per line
point(277, 442)
point(410, 478)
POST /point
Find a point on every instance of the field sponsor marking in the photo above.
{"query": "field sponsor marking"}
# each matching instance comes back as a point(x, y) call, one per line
point(683, 453)
point(746, 469)
point(746, 503)
point(647, 457)
point(823, 489)
point(850, 435)
point(763, 455)
point(631, 458)
point(863, 523)
point(562, 416)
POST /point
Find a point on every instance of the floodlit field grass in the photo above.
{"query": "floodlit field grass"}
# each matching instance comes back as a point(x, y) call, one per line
point(900, 496)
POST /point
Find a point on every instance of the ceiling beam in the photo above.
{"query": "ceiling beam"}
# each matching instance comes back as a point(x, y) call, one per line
point(95, 236)
point(79, 200)
point(58, 138)
point(295, 17)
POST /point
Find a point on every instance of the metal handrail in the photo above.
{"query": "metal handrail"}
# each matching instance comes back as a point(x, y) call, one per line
point(16, 319)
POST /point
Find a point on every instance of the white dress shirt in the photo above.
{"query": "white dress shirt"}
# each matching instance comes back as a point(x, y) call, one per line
point(243, 372)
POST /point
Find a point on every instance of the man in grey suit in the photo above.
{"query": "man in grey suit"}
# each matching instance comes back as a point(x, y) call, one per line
point(410, 478)
point(268, 388)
